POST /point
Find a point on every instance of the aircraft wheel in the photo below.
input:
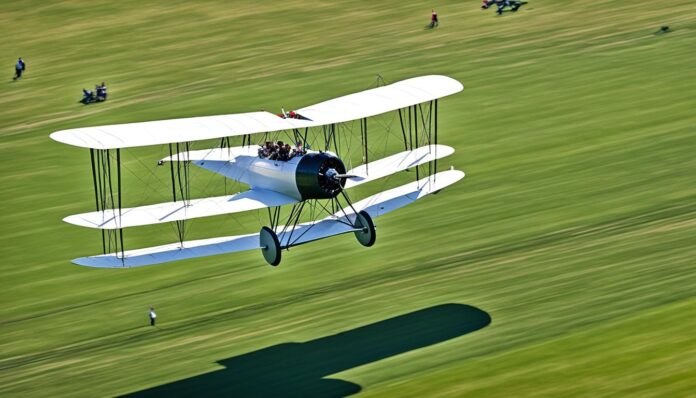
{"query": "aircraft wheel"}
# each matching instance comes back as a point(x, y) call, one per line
point(367, 235)
point(270, 246)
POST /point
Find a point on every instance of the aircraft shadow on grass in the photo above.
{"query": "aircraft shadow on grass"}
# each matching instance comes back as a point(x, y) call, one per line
point(298, 369)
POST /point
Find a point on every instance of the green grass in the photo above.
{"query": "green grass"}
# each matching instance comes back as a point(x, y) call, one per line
point(573, 231)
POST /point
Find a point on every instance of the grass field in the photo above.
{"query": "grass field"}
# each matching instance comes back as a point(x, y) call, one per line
point(563, 265)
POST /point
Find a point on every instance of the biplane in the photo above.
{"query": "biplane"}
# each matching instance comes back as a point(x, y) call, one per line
point(314, 178)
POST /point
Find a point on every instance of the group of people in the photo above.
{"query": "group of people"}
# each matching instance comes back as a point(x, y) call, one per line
point(98, 95)
point(513, 4)
point(291, 115)
point(280, 150)
point(88, 96)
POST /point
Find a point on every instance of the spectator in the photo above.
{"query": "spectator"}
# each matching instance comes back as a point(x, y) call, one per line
point(101, 92)
point(87, 96)
point(20, 67)
point(433, 19)
point(153, 316)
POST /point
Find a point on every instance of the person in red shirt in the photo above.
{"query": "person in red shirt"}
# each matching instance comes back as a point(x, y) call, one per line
point(433, 19)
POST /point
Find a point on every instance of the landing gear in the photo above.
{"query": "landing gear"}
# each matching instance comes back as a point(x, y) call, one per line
point(270, 246)
point(367, 235)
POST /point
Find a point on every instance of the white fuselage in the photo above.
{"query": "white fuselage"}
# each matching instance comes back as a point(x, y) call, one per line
point(301, 177)
point(274, 175)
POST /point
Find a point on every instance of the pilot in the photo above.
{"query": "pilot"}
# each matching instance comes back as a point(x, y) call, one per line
point(273, 151)
point(267, 149)
point(298, 148)
point(282, 151)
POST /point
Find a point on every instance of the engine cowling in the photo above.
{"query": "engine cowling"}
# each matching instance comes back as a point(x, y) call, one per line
point(316, 175)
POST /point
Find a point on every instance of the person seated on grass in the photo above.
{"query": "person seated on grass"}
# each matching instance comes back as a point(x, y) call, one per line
point(101, 92)
point(515, 5)
point(96, 92)
point(512, 4)
point(87, 96)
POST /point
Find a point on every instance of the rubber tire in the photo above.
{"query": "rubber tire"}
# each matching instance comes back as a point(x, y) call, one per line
point(270, 246)
point(367, 235)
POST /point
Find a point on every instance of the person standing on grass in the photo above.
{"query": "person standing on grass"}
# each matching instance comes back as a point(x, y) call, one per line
point(20, 67)
point(433, 19)
point(153, 316)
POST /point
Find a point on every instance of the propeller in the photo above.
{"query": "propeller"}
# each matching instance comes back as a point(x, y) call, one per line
point(332, 173)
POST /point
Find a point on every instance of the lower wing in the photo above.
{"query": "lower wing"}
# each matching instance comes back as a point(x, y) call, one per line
point(336, 224)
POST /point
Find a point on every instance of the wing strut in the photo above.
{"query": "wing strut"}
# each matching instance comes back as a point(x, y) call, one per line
point(181, 183)
point(102, 179)
point(435, 126)
point(403, 129)
point(415, 131)
point(363, 138)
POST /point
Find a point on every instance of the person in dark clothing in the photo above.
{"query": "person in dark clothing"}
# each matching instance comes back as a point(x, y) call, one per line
point(101, 92)
point(273, 150)
point(282, 151)
point(20, 67)
point(514, 5)
point(87, 96)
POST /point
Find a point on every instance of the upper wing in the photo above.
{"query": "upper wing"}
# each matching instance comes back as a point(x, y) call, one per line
point(177, 211)
point(350, 107)
point(176, 130)
point(382, 99)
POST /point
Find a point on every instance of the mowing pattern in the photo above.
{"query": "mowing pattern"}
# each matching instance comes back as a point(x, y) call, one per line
point(564, 262)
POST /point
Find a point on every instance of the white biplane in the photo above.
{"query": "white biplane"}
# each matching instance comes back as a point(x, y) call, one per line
point(316, 176)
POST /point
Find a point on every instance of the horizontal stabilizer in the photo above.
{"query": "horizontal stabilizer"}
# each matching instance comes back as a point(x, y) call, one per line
point(336, 224)
point(396, 163)
point(176, 211)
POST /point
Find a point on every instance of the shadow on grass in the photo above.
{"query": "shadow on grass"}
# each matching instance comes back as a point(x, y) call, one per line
point(298, 369)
